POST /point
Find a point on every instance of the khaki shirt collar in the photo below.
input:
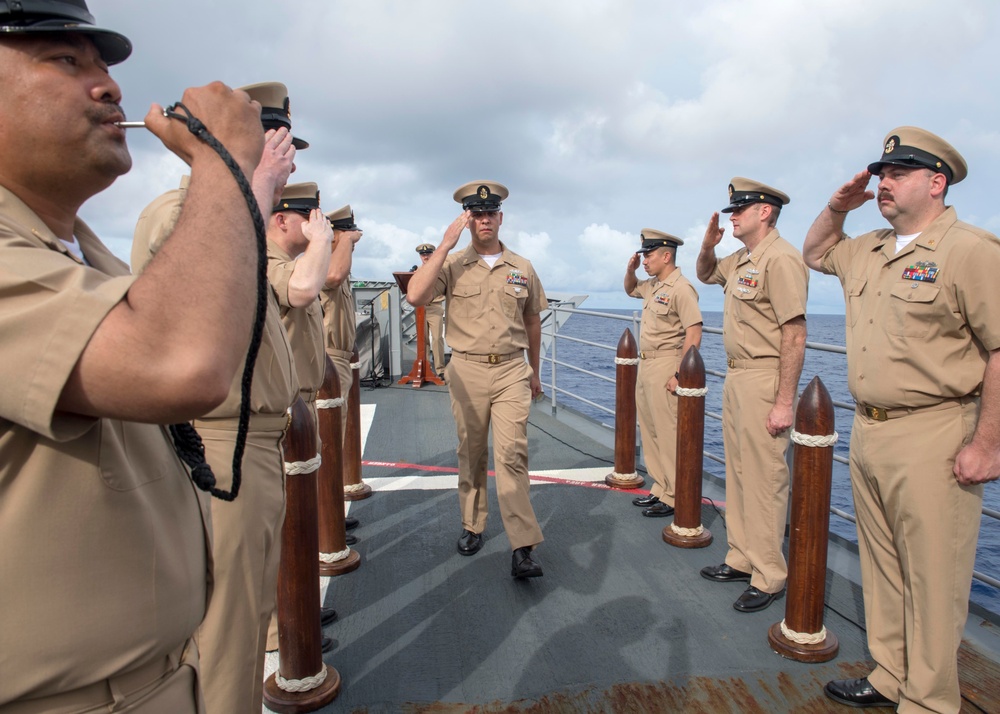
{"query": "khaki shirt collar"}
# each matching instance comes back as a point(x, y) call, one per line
point(277, 251)
point(929, 238)
point(670, 280)
point(470, 255)
point(759, 250)
point(13, 208)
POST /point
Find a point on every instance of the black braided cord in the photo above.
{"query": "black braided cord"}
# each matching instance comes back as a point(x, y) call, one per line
point(187, 442)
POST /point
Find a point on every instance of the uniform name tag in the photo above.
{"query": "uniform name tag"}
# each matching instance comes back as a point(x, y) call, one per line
point(515, 277)
point(662, 298)
point(748, 280)
point(923, 271)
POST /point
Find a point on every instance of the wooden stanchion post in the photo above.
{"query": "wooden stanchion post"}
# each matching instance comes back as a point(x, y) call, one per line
point(422, 371)
point(354, 488)
point(626, 369)
point(686, 531)
point(335, 556)
point(303, 682)
point(801, 635)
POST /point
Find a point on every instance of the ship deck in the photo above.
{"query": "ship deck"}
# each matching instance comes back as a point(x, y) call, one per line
point(620, 622)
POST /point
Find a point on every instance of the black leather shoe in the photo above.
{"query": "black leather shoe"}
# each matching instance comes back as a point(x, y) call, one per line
point(645, 501)
point(856, 693)
point(723, 574)
point(658, 510)
point(522, 566)
point(754, 600)
point(350, 539)
point(326, 644)
point(327, 616)
point(470, 542)
point(350, 523)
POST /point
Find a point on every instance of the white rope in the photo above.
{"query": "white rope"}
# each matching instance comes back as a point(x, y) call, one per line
point(352, 487)
point(300, 685)
point(623, 360)
point(806, 440)
point(334, 557)
point(330, 403)
point(624, 477)
point(355, 365)
point(295, 468)
point(687, 532)
point(685, 392)
point(802, 638)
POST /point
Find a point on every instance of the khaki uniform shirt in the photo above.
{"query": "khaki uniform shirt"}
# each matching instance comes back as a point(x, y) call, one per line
point(763, 291)
point(668, 309)
point(106, 558)
point(920, 322)
point(275, 384)
point(303, 325)
point(338, 317)
point(486, 307)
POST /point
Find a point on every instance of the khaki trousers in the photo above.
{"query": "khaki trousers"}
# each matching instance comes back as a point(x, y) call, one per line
point(657, 410)
point(917, 533)
point(756, 478)
point(484, 394)
point(166, 686)
point(247, 551)
point(435, 333)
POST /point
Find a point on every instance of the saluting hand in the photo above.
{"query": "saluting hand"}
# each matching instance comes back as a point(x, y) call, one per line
point(276, 165)
point(633, 263)
point(454, 231)
point(713, 234)
point(318, 227)
point(853, 194)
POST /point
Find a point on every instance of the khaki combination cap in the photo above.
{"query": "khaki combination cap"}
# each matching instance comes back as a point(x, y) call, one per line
point(342, 219)
point(744, 191)
point(298, 197)
point(481, 196)
point(34, 16)
point(918, 148)
point(274, 107)
point(426, 248)
point(653, 239)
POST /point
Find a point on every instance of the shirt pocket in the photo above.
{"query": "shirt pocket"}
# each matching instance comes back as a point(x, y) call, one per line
point(514, 297)
point(855, 290)
point(912, 309)
point(466, 301)
point(133, 455)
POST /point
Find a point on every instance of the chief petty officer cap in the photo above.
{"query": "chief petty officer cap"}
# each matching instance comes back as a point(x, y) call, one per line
point(913, 147)
point(653, 239)
point(744, 191)
point(19, 17)
point(342, 219)
point(298, 197)
point(426, 248)
point(274, 112)
point(481, 196)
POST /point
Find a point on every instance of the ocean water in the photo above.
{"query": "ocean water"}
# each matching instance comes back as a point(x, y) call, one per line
point(830, 367)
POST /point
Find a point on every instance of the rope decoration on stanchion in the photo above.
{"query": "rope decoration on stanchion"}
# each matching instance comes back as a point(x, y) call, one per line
point(624, 477)
point(807, 440)
point(355, 365)
point(627, 361)
point(687, 532)
point(295, 468)
point(330, 403)
point(300, 685)
point(687, 392)
point(187, 442)
point(334, 557)
point(803, 638)
point(352, 487)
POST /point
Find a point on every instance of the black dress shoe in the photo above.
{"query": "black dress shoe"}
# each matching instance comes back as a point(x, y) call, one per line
point(350, 523)
point(723, 573)
point(856, 693)
point(327, 616)
point(326, 644)
point(658, 510)
point(470, 543)
point(754, 600)
point(645, 501)
point(350, 539)
point(522, 566)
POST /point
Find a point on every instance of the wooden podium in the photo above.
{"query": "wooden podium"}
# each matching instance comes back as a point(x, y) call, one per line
point(421, 371)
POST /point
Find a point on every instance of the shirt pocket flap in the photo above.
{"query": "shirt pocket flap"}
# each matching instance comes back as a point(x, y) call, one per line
point(464, 291)
point(856, 286)
point(916, 291)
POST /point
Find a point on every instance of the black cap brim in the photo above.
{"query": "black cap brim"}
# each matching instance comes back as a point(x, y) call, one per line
point(113, 47)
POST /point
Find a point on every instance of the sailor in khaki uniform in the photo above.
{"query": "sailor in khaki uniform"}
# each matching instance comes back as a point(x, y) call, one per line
point(764, 333)
point(671, 325)
point(434, 310)
point(93, 497)
point(494, 299)
point(299, 239)
point(923, 343)
point(246, 531)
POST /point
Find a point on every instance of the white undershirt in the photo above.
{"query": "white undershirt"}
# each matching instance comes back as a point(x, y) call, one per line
point(491, 260)
point(74, 247)
point(903, 241)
